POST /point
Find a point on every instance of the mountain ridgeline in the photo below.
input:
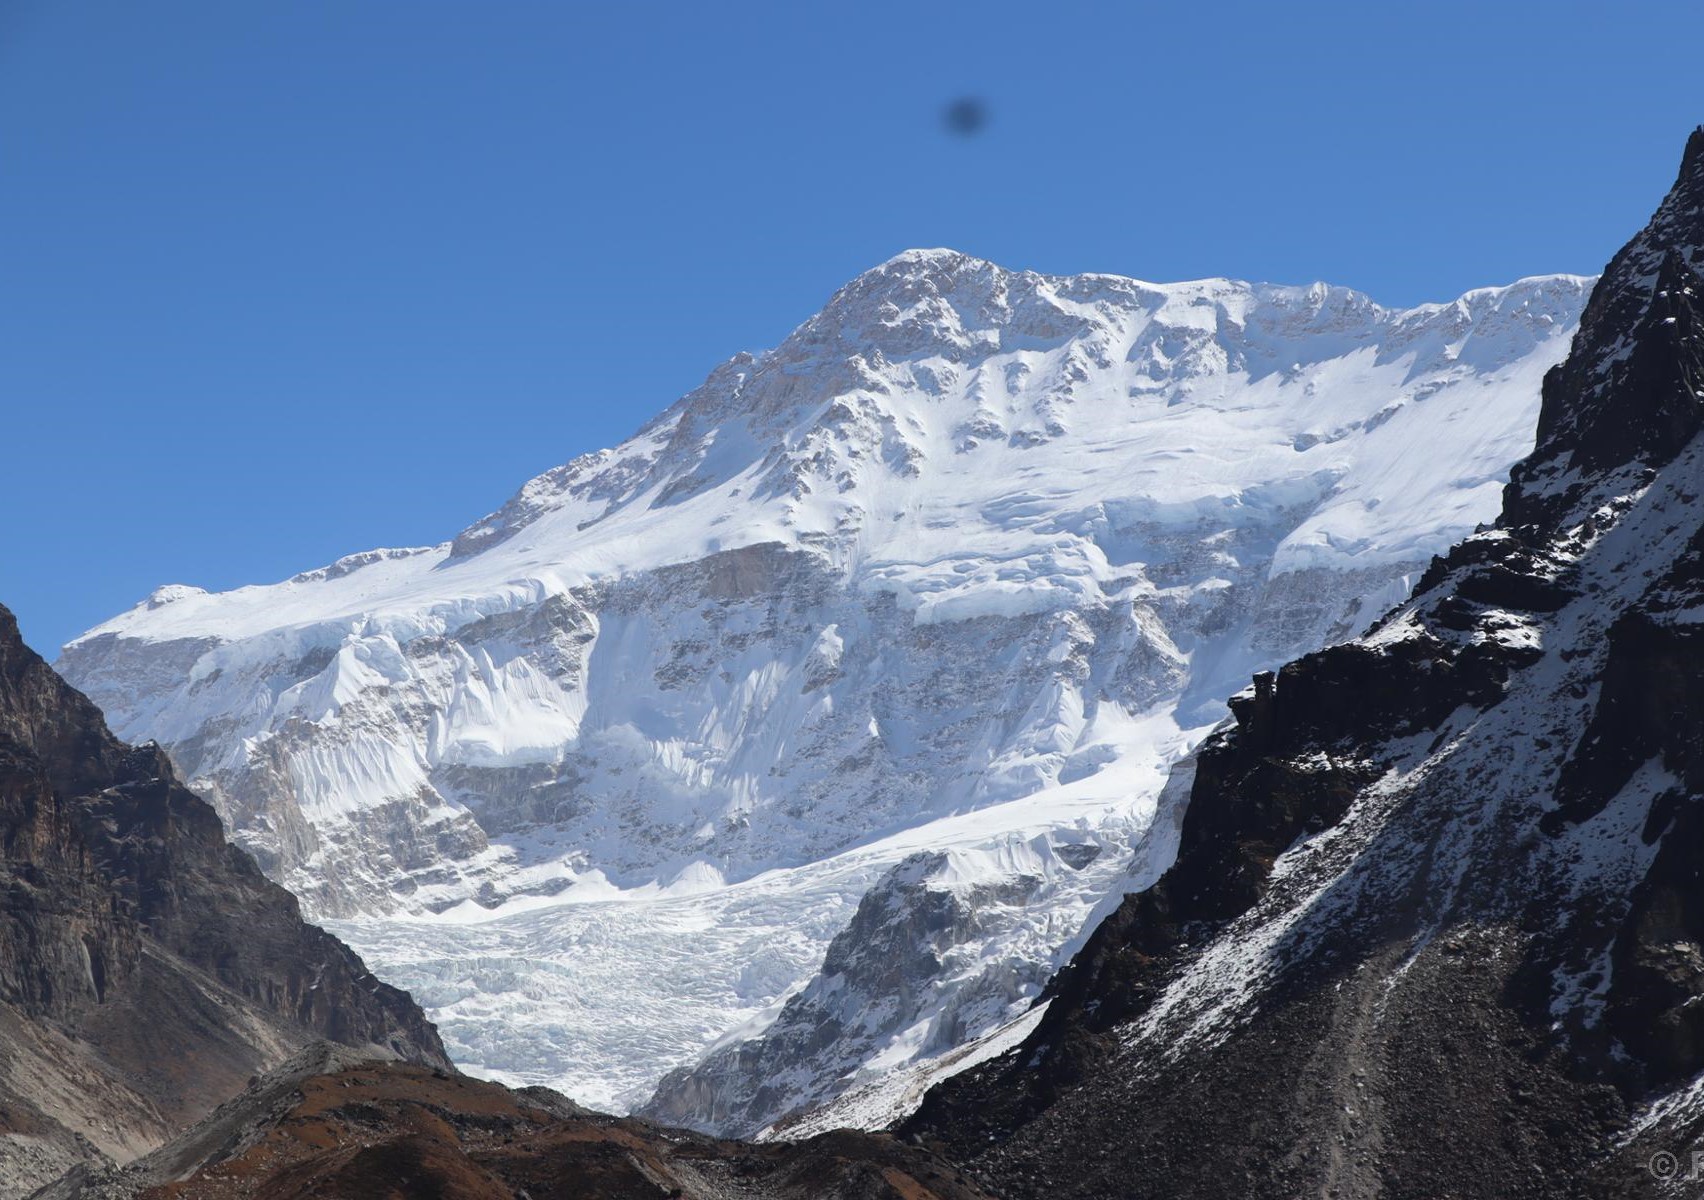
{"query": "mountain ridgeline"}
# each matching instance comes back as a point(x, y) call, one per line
point(1436, 922)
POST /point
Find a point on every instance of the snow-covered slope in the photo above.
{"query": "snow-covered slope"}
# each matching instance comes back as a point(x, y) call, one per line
point(964, 563)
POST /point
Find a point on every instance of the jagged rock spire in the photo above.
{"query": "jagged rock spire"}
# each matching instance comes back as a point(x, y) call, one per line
point(1631, 394)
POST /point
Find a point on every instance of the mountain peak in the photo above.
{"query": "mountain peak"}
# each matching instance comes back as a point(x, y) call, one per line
point(925, 258)
point(1630, 395)
point(1692, 161)
point(899, 277)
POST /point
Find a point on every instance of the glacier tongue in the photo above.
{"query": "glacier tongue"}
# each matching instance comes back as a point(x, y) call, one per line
point(960, 567)
point(603, 994)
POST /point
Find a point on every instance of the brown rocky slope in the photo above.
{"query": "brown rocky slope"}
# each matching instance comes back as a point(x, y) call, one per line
point(147, 968)
point(329, 1126)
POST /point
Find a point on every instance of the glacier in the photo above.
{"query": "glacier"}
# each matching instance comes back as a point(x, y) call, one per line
point(914, 612)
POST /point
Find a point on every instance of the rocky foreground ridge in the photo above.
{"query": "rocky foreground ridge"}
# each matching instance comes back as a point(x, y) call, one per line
point(147, 967)
point(329, 1125)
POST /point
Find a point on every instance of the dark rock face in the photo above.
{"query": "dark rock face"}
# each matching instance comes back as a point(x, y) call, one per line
point(326, 1124)
point(1436, 925)
point(1627, 399)
point(147, 968)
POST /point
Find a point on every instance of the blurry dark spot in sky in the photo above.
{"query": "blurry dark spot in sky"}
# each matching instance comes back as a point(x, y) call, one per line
point(965, 117)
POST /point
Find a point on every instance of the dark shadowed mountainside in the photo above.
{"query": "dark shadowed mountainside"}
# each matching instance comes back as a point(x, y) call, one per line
point(1436, 924)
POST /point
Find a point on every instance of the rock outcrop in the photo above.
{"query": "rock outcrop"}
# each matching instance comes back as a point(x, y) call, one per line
point(919, 970)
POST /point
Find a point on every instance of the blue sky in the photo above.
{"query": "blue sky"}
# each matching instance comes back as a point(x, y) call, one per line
point(279, 282)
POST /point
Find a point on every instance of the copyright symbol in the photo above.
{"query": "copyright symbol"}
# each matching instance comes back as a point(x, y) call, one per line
point(1663, 1165)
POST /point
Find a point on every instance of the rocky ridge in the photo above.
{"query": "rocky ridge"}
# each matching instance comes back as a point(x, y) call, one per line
point(147, 967)
point(327, 1124)
point(1433, 927)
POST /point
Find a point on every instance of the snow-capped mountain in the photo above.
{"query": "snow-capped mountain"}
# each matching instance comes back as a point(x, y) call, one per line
point(1434, 927)
point(960, 568)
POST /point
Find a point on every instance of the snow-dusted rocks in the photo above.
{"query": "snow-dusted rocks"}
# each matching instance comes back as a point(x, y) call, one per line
point(962, 565)
point(944, 952)
point(1435, 925)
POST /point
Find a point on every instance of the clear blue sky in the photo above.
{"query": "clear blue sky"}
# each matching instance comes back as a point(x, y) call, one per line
point(282, 281)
